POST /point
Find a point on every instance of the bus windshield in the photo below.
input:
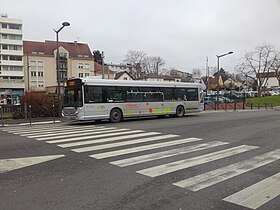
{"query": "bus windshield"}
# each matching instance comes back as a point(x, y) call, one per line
point(73, 96)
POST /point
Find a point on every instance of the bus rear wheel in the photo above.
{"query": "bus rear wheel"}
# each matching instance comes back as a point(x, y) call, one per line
point(115, 115)
point(180, 111)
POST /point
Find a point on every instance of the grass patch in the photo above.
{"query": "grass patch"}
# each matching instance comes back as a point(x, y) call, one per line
point(274, 100)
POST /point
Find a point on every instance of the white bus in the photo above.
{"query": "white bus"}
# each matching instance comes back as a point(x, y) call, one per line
point(97, 99)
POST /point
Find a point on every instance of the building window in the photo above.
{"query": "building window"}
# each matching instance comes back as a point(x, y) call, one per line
point(33, 84)
point(4, 47)
point(86, 74)
point(4, 57)
point(80, 65)
point(33, 73)
point(40, 64)
point(15, 58)
point(15, 47)
point(15, 68)
point(124, 78)
point(40, 84)
point(4, 36)
point(15, 37)
point(81, 75)
point(86, 66)
point(4, 25)
point(40, 74)
point(15, 26)
point(32, 63)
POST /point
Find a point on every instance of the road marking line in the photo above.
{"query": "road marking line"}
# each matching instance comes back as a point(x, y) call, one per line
point(80, 143)
point(30, 129)
point(57, 130)
point(213, 177)
point(39, 123)
point(258, 194)
point(129, 142)
point(140, 148)
point(104, 134)
point(166, 154)
point(16, 163)
point(63, 133)
point(187, 163)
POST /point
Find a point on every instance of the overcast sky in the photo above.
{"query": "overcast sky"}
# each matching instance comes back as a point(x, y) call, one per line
point(182, 32)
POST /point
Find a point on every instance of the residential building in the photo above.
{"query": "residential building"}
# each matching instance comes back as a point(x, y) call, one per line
point(123, 76)
point(231, 83)
point(11, 60)
point(75, 60)
point(106, 69)
point(214, 81)
point(272, 80)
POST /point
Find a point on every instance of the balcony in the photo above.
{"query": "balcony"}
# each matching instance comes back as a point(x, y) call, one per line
point(11, 41)
point(11, 63)
point(10, 31)
point(9, 84)
point(12, 52)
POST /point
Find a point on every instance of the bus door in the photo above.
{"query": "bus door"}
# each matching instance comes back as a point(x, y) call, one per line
point(192, 98)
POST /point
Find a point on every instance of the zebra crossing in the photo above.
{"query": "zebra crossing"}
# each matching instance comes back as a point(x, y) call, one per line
point(101, 142)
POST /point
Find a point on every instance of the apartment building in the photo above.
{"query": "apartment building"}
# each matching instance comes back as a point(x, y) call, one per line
point(11, 60)
point(75, 60)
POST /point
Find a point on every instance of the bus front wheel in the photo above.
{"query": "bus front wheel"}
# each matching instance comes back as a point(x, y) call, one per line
point(180, 112)
point(115, 115)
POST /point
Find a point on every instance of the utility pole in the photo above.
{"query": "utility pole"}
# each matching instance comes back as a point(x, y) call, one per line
point(102, 56)
point(206, 75)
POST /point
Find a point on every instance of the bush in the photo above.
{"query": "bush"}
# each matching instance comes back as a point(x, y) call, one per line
point(41, 105)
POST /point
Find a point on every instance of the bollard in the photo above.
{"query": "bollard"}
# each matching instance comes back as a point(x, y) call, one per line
point(259, 106)
point(53, 114)
point(2, 116)
point(30, 114)
point(251, 106)
point(25, 111)
point(243, 105)
point(235, 104)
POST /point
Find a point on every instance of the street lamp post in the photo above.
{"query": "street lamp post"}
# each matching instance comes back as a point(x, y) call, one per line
point(57, 66)
point(218, 74)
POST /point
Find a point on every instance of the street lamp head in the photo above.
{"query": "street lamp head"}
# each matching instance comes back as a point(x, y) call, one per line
point(65, 24)
point(230, 52)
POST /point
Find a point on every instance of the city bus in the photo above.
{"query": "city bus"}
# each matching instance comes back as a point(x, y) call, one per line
point(97, 99)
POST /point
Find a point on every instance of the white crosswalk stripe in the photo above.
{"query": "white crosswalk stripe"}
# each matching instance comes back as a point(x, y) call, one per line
point(50, 129)
point(258, 194)
point(124, 143)
point(92, 132)
point(213, 177)
point(198, 160)
point(165, 154)
point(104, 134)
point(138, 149)
point(94, 136)
point(51, 133)
point(96, 139)
point(108, 139)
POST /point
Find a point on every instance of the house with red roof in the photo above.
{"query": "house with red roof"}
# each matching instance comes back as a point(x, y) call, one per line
point(75, 60)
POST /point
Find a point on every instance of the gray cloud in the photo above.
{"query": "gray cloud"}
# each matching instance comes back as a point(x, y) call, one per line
point(183, 32)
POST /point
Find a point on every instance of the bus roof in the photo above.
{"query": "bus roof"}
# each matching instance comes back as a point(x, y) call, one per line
point(137, 83)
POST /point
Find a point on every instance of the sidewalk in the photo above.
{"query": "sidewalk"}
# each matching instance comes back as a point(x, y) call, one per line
point(34, 121)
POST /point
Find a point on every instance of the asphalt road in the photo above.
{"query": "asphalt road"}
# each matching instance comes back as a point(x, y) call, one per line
point(222, 160)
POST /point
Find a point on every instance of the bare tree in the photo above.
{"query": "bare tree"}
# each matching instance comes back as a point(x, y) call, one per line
point(257, 64)
point(135, 58)
point(153, 64)
point(148, 64)
point(276, 69)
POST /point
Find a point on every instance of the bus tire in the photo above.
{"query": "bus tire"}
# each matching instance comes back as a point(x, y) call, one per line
point(180, 111)
point(116, 115)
